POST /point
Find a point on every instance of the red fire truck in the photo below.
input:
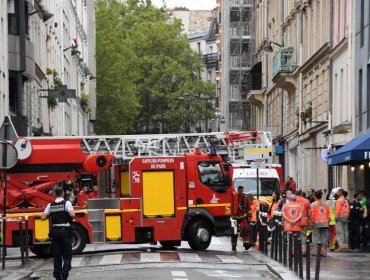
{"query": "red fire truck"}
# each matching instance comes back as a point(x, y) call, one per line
point(169, 188)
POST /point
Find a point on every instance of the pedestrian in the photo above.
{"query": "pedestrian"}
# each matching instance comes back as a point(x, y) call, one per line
point(94, 193)
point(355, 220)
point(341, 219)
point(242, 216)
point(290, 185)
point(61, 213)
point(255, 205)
point(273, 207)
point(69, 193)
point(310, 195)
point(364, 224)
point(82, 197)
point(305, 220)
point(283, 200)
point(292, 213)
point(320, 217)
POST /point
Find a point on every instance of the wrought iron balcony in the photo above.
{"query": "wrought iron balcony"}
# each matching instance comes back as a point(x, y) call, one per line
point(284, 62)
point(253, 81)
point(210, 59)
point(242, 2)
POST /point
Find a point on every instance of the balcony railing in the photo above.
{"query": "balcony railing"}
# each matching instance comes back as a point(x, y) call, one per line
point(284, 62)
point(210, 59)
point(242, 2)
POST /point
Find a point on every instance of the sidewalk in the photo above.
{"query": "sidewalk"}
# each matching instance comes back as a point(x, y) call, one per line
point(338, 266)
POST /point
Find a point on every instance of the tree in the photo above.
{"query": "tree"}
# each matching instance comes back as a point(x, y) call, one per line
point(161, 67)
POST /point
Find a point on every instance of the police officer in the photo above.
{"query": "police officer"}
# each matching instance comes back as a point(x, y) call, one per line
point(61, 213)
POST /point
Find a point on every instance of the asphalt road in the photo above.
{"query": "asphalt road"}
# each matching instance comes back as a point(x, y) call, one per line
point(151, 262)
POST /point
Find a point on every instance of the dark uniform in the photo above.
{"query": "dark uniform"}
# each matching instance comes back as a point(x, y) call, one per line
point(61, 235)
point(242, 218)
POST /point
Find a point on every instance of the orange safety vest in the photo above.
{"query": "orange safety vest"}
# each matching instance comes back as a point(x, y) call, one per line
point(320, 214)
point(306, 210)
point(273, 208)
point(342, 209)
point(292, 213)
point(254, 206)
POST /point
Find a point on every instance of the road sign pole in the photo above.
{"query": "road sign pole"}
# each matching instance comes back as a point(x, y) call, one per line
point(5, 160)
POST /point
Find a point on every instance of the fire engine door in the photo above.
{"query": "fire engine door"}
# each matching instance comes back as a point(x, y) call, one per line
point(158, 193)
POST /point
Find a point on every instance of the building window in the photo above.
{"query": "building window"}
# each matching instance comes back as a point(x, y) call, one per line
point(198, 43)
point(12, 24)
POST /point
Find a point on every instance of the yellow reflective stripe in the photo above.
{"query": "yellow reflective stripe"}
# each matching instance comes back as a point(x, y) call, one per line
point(240, 217)
point(182, 208)
point(210, 205)
point(258, 151)
point(112, 211)
point(130, 210)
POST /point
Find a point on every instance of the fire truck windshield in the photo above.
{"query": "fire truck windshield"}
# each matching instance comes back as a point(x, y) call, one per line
point(210, 174)
point(266, 186)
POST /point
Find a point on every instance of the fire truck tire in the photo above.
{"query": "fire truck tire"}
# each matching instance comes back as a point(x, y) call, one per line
point(168, 245)
point(79, 239)
point(41, 250)
point(199, 235)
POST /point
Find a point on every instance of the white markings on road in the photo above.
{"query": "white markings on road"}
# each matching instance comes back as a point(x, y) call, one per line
point(76, 262)
point(111, 259)
point(189, 257)
point(216, 242)
point(178, 273)
point(229, 259)
point(150, 257)
point(222, 273)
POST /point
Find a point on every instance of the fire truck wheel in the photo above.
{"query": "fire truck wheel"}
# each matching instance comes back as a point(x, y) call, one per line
point(79, 239)
point(199, 235)
point(168, 245)
point(41, 250)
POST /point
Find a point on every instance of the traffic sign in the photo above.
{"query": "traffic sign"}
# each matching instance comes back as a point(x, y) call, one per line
point(8, 155)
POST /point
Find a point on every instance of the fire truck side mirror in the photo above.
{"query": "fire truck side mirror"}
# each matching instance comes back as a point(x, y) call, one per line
point(227, 179)
point(97, 163)
point(227, 166)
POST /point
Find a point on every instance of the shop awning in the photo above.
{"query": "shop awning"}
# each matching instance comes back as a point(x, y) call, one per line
point(356, 151)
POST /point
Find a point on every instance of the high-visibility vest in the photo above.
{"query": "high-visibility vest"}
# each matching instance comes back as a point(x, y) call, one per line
point(306, 210)
point(320, 214)
point(292, 212)
point(331, 204)
point(342, 209)
point(254, 206)
point(273, 209)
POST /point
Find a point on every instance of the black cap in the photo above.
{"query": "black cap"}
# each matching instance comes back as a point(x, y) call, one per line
point(240, 187)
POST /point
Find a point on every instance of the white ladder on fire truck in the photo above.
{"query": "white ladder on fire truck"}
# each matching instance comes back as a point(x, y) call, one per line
point(125, 147)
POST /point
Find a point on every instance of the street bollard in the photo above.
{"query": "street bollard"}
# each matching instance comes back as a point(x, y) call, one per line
point(21, 241)
point(265, 228)
point(26, 239)
point(281, 240)
point(276, 236)
point(273, 243)
point(308, 259)
point(290, 239)
point(318, 257)
point(295, 246)
point(285, 247)
point(300, 263)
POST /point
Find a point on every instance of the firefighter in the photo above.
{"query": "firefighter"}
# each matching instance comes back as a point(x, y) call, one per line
point(242, 217)
point(341, 218)
point(292, 213)
point(255, 205)
point(330, 201)
point(320, 217)
point(61, 213)
point(94, 193)
point(305, 220)
point(82, 197)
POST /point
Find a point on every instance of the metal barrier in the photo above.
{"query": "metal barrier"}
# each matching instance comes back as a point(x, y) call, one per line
point(23, 240)
point(286, 247)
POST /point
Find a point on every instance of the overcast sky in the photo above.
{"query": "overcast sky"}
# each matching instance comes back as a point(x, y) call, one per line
point(191, 4)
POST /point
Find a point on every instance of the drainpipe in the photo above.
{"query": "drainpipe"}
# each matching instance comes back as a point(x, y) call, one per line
point(331, 32)
point(265, 107)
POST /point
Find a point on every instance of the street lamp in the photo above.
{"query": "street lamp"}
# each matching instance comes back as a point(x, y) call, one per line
point(45, 14)
point(268, 47)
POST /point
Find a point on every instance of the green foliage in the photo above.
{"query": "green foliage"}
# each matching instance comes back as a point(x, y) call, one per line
point(84, 102)
point(144, 67)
